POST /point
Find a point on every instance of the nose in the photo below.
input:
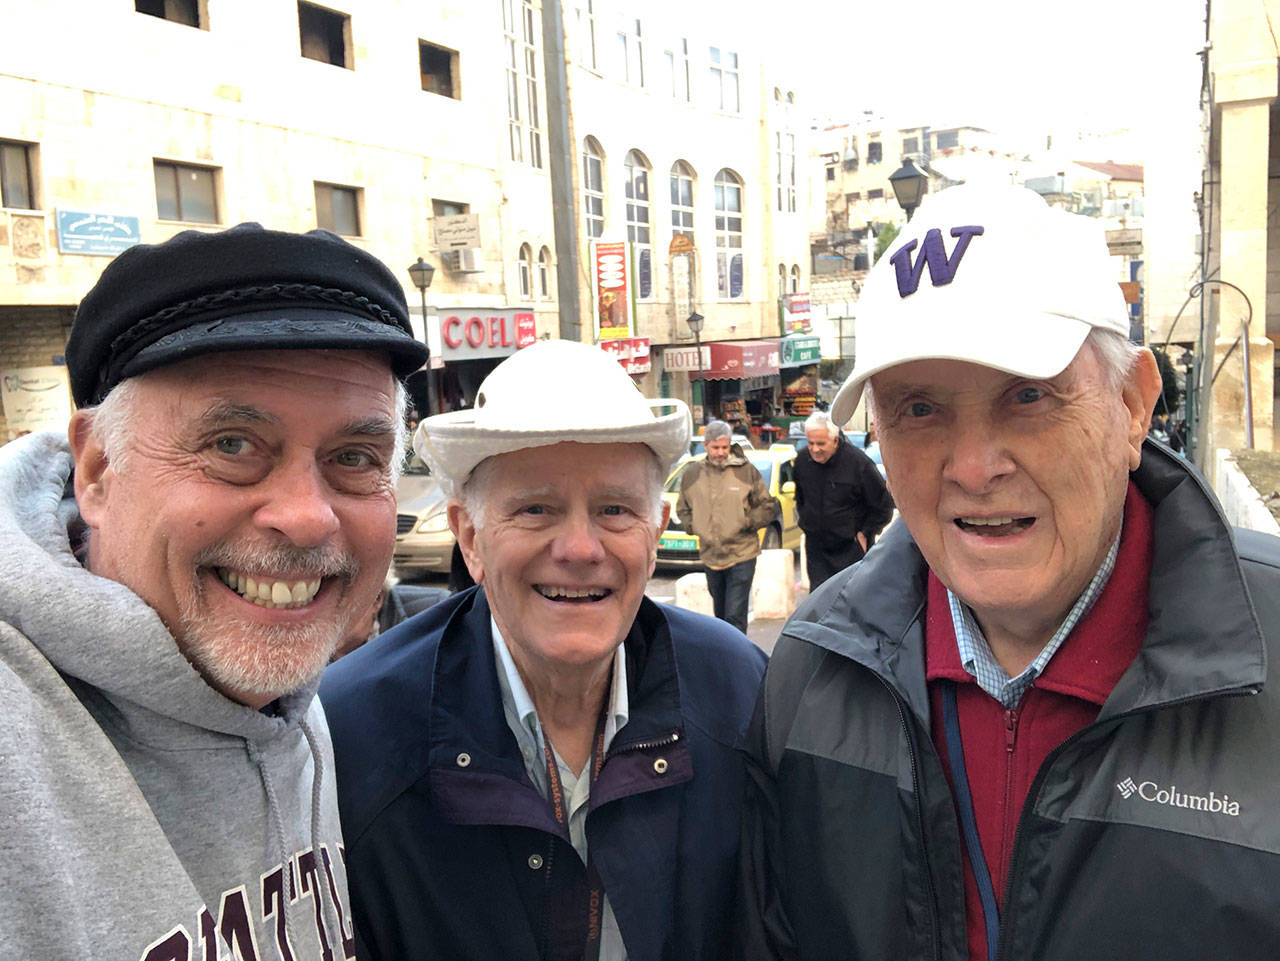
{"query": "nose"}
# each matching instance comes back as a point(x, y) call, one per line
point(978, 458)
point(299, 504)
point(577, 540)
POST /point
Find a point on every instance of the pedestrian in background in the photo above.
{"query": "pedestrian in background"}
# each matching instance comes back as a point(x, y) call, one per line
point(841, 499)
point(724, 501)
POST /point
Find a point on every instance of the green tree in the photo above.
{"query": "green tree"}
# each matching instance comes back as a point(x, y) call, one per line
point(885, 238)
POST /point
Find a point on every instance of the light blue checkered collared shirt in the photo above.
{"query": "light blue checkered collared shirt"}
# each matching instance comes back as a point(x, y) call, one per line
point(976, 656)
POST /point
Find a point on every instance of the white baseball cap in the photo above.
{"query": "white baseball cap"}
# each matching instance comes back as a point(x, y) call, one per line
point(549, 392)
point(986, 274)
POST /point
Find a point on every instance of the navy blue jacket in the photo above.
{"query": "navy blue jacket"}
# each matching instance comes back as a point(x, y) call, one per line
point(453, 853)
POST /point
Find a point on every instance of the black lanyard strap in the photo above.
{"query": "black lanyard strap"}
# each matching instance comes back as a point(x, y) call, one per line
point(968, 822)
point(560, 808)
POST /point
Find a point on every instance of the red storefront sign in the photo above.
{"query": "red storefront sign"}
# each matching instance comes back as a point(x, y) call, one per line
point(728, 361)
point(632, 353)
point(472, 334)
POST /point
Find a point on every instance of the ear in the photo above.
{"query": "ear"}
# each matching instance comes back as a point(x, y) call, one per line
point(465, 532)
point(666, 517)
point(1140, 393)
point(93, 475)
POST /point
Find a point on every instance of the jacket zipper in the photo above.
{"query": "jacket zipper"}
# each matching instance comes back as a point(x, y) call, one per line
point(671, 738)
point(1016, 865)
point(935, 924)
point(1010, 746)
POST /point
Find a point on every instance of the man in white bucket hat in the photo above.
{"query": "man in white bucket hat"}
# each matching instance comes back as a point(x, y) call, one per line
point(1016, 726)
point(547, 765)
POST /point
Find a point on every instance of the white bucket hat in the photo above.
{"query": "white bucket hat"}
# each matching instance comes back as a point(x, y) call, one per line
point(549, 392)
point(986, 274)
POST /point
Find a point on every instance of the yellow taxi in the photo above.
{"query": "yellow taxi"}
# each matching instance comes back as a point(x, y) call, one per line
point(679, 548)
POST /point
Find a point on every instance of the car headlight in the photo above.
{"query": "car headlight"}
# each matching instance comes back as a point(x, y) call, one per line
point(435, 523)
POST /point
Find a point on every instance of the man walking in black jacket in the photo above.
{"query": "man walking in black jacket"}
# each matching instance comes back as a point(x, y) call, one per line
point(840, 497)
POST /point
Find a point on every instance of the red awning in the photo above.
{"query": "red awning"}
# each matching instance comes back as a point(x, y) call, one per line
point(740, 359)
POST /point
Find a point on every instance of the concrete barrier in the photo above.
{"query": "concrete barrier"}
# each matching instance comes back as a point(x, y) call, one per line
point(1240, 501)
point(692, 594)
point(774, 589)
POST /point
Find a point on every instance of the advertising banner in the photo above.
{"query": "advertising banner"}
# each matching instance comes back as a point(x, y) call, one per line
point(471, 334)
point(611, 269)
point(632, 353)
point(35, 398)
point(797, 310)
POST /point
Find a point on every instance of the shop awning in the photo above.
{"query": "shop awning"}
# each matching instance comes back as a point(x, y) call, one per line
point(801, 349)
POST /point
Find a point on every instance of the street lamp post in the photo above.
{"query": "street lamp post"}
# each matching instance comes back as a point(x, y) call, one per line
point(695, 322)
point(422, 273)
point(908, 185)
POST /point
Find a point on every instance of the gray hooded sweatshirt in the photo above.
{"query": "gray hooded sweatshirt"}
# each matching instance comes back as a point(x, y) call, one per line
point(144, 816)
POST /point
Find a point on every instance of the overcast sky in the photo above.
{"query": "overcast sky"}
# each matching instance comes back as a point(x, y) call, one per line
point(1008, 65)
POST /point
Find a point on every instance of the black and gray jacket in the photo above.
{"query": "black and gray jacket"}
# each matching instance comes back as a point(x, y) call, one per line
point(1152, 833)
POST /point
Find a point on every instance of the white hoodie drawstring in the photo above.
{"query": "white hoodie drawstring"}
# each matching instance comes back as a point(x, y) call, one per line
point(286, 863)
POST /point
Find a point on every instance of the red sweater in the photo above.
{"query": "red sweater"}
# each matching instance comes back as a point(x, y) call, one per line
point(1003, 750)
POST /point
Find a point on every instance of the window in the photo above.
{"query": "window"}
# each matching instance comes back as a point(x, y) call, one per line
point(524, 125)
point(185, 12)
point(525, 263)
point(874, 152)
point(786, 156)
point(876, 193)
point(678, 65)
point(587, 35)
point(449, 208)
point(544, 274)
point(439, 68)
point(682, 199)
point(831, 171)
point(639, 220)
point(729, 235)
point(910, 144)
point(186, 192)
point(593, 188)
point(948, 138)
point(782, 277)
point(724, 79)
point(17, 189)
point(338, 209)
point(325, 34)
point(795, 278)
point(850, 198)
point(631, 54)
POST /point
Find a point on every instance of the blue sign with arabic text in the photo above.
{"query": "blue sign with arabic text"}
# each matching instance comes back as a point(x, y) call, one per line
point(104, 235)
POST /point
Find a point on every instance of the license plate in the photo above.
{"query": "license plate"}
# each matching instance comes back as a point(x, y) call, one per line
point(678, 542)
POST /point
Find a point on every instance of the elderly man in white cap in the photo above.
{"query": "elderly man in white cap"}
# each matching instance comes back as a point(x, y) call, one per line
point(1031, 723)
point(547, 766)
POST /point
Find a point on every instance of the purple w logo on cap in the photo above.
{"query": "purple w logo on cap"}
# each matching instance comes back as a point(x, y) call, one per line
point(942, 269)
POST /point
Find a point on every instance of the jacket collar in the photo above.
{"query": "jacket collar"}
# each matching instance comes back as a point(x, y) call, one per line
point(476, 771)
point(1203, 637)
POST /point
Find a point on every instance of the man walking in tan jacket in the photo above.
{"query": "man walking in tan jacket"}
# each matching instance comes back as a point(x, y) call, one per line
point(724, 501)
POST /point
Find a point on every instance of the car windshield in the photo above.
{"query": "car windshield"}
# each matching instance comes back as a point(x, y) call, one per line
point(765, 466)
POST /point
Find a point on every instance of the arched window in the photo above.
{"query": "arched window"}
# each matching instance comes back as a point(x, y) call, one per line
point(525, 264)
point(544, 274)
point(682, 199)
point(593, 187)
point(782, 279)
point(729, 260)
point(640, 221)
point(795, 278)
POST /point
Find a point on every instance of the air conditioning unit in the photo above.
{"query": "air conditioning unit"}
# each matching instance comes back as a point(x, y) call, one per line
point(468, 260)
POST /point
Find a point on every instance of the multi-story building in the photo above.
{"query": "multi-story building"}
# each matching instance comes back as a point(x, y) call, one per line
point(497, 141)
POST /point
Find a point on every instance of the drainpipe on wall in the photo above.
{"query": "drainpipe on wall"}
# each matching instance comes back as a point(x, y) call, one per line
point(560, 163)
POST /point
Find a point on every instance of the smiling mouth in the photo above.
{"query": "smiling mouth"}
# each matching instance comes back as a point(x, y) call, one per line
point(994, 526)
point(569, 595)
point(269, 593)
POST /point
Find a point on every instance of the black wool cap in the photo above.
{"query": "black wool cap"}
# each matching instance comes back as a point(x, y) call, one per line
point(245, 288)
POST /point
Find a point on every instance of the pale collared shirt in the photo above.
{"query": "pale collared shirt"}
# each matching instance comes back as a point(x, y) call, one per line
point(522, 718)
point(975, 652)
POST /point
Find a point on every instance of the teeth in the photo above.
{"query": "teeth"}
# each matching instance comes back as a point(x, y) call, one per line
point(568, 593)
point(269, 593)
point(986, 521)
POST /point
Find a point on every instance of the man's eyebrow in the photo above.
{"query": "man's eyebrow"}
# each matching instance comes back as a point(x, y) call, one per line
point(224, 413)
point(371, 427)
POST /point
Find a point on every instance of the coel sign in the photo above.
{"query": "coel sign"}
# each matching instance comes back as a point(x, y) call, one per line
point(476, 334)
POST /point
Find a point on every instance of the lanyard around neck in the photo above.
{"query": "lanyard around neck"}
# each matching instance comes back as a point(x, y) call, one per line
point(559, 807)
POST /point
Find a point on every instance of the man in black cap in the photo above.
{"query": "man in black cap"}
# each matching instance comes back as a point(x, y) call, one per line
point(166, 791)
